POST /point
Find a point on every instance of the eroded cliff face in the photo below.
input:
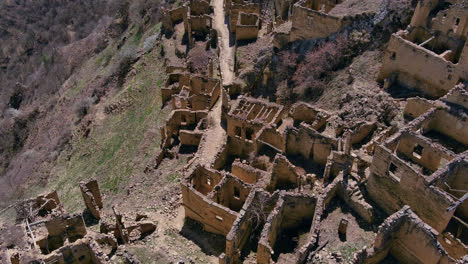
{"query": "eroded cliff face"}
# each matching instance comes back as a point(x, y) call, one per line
point(44, 61)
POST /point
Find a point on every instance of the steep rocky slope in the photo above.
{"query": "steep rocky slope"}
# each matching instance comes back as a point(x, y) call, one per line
point(57, 60)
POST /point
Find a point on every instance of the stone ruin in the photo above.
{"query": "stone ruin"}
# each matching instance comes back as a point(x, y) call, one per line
point(191, 92)
point(400, 236)
point(437, 37)
point(184, 126)
point(45, 233)
point(311, 19)
point(189, 33)
point(244, 18)
point(191, 98)
point(196, 17)
point(92, 197)
point(277, 188)
point(280, 174)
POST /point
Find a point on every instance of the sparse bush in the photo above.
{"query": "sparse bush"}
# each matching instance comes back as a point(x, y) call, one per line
point(81, 108)
point(122, 64)
point(30, 154)
point(284, 94)
point(259, 210)
point(311, 75)
point(149, 42)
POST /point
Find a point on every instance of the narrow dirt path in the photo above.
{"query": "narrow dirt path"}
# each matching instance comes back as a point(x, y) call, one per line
point(213, 138)
point(226, 56)
point(215, 135)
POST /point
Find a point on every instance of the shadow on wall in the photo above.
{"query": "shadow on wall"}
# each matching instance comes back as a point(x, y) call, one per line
point(210, 243)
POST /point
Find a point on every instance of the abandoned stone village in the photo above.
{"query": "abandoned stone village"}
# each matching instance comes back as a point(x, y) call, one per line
point(292, 183)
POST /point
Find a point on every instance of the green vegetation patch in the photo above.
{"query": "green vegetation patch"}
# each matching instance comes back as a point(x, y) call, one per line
point(120, 144)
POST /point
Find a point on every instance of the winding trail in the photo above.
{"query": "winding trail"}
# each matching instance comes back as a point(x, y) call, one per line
point(215, 135)
point(213, 138)
point(226, 56)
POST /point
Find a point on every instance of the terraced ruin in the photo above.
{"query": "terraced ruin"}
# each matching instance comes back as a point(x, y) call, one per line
point(366, 163)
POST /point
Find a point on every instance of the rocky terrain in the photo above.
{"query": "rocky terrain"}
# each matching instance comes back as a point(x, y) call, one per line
point(232, 131)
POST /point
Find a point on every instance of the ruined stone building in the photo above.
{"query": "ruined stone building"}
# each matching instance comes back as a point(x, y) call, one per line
point(437, 37)
point(187, 91)
point(270, 164)
point(420, 158)
point(280, 174)
point(399, 238)
point(183, 126)
point(244, 18)
point(45, 233)
point(310, 19)
point(191, 98)
point(292, 184)
point(315, 19)
point(196, 18)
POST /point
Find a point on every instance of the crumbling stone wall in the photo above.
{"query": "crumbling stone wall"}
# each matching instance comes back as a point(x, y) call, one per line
point(246, 172)
point(174, 84)
point(178, 123)
point(247, 26)
point(191, 92)
point(453, 20)
point(283, 8)
point(421, 151)
point(195, 15)
point(448, 123)
point(303, 112)
point(231, 192)
point(257, 206)
point(249, 115)
point(58, 229)
point(284, 175)
point(347, 190)
point(416, 107)
point(214, 217)
point(290, 210)
point(457, 96)
point(92, 197)
point(362, 131)
point(436, 37)
point(271, 137)
point(310, 21)
point(199, 7)
point(175, 16)
point(400, 236)
point(310, 144)
point(403, 59)
point(412, 166)
point(391, 190)
point(244, 7)
point(453, 180)
point(41, 206)
point(81, 251)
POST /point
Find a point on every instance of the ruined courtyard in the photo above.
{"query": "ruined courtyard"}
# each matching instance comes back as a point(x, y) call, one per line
point(296, 182)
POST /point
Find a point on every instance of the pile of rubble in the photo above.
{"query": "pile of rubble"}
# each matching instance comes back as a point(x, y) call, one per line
point(45, 233)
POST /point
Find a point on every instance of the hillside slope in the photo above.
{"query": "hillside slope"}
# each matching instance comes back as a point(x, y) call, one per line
point(58, 61)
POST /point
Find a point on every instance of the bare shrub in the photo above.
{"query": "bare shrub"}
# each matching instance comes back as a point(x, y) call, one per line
point(121, 65)
point(199, 59)
point(81, 108)
point(284, 93)
point(260, 208)
point(286, 63)
point(311, 75)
